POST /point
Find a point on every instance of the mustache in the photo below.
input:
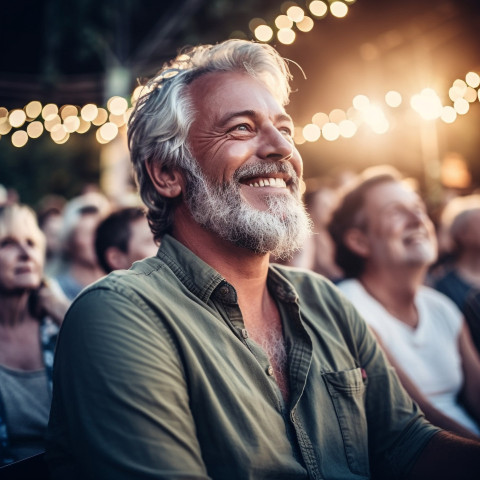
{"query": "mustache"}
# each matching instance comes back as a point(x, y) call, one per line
point(265, 169)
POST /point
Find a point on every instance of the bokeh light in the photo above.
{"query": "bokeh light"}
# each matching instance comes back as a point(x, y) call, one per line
point(263, 33)
point(295, 13)
point(393, 99)
point(338, 9)
point(311, 132)
point(35, 129)
point(306, 24)
point(19, 138)
point(286, 36)
point(17, 118)
point(33, 109)
point(318, 8)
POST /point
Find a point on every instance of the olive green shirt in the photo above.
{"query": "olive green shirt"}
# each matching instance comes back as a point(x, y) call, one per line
point(155, 377)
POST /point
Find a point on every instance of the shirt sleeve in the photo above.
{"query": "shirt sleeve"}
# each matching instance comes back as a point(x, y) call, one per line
point(120, 396)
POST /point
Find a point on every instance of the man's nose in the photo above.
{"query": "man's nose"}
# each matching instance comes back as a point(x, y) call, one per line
point(24, 250)
point(275, 145)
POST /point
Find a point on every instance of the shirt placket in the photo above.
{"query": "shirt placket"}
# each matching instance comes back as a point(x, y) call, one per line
point(227, 306)
point(299, 349)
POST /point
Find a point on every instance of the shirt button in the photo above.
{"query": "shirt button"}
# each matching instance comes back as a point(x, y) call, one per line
point(270, 370)
point(224, 290)
point(244, 333)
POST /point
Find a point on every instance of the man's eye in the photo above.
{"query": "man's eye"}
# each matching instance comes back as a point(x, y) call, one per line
point(6, 241)
point(243, 127)
point(286, 131)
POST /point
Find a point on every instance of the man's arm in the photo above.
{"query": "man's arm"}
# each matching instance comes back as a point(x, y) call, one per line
point(432, 414)
point(120, 406)
point(446, 457)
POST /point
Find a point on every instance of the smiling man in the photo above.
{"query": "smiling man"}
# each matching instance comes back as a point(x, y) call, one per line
point(207, 361)
point(385, 244)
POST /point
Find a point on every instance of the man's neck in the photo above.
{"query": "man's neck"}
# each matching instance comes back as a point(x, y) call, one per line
point(395, 290)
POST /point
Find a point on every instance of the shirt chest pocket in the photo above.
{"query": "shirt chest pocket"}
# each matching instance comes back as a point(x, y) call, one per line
point(347, 392)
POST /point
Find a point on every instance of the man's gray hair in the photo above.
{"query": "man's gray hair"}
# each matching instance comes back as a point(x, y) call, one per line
point(159, 125)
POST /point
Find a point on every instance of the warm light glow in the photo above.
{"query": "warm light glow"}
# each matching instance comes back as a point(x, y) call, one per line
point(71, 123)
point(320, 119)
point(84, 126)
point(282, 21)
point(318, 8)
point(5, 126)
point(89, 112)
point(58, 133)
point(472, 79)
point(33, 109)
point(63, 140)
point(35, 129)
point(461, 106)
point(19, 138)
point(470, 94)
point(375, 118)
point(117, 105)
point(393, 99)
point(337, 115)
point(99, 137)
point(311, 132)
point(427, 104)
point(51, 121)
point(101, 117)
point(347, 128)
point(68, 111)
point(108, 131)
point(286, 36)
point(305, 25)
point(17, 118)
point(361, 102)
point(454, 171)
point(118, 120)
point(3, 112)
point(455, 92)
point(49, 109)
point(449, 115)
point(295, 14)
point(338, 9)
point(263, 33)
point(330, 131)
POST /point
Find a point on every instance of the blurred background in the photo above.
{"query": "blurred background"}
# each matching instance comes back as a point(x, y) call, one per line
point(374, 82)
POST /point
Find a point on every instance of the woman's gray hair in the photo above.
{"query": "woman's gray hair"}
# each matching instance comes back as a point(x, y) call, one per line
point(159, 125)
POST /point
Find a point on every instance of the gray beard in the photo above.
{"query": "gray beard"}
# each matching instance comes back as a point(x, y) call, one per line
point(280, 230)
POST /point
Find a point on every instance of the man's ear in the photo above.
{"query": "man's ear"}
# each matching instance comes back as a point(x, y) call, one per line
point(357, 241)
point(116, 258)
point(168, 183)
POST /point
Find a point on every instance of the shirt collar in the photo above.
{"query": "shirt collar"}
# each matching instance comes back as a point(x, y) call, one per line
point(202, 280)
point(192, 271)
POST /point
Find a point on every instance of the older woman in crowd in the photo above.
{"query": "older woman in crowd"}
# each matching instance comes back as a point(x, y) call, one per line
point(30, 313)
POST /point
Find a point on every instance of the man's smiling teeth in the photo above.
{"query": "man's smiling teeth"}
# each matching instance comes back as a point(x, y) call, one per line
point(269, 182)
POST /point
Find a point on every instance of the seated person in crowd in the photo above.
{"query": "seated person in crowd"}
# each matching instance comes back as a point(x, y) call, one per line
point(460, 221)
point(471, 310)
point(207, 361)
point(123, 238)
point(79, 266)
point(385, 243)
point(30, 313)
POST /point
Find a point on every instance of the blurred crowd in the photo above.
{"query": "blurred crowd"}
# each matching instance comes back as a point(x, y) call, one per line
point(413, 277)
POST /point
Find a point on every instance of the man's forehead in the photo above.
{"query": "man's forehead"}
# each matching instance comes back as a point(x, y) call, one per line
point(231, 92)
